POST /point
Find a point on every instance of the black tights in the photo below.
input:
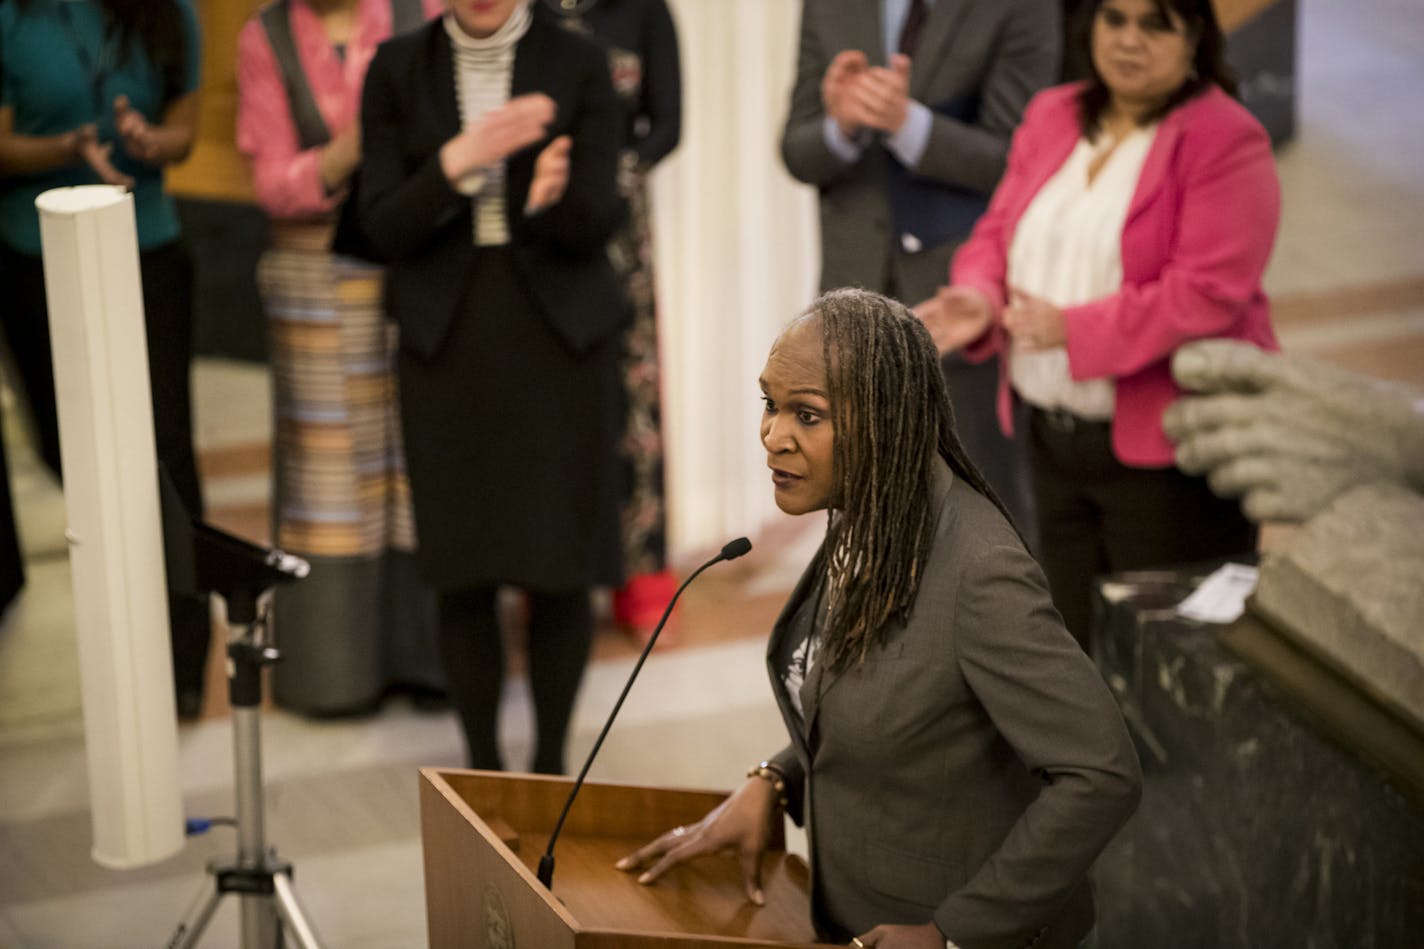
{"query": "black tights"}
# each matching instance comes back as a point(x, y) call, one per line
point(560, 634)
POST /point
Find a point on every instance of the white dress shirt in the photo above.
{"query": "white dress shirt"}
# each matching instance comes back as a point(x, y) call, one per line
point(1067, 249)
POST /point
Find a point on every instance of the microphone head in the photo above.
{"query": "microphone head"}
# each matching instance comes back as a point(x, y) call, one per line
point(736, 548)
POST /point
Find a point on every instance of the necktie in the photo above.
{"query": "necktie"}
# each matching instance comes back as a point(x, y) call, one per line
point(914, 22)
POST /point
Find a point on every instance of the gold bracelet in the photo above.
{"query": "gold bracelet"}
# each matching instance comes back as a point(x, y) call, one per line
point(770, 772)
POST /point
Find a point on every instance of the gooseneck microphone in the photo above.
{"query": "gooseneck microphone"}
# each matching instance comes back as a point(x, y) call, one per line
point(731, 551)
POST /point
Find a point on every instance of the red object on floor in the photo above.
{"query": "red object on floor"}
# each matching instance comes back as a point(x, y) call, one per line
point(639, 604)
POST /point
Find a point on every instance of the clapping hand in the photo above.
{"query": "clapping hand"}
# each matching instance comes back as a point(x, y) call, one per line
point(497, 134)
point(743, 823)
point(340, 157)
point(884, 94)
point(135, 133)
point(551, 175)
point(955, 316)
point(860, 96)
point(97, 154)
point(838, 96)
point(1033, 322)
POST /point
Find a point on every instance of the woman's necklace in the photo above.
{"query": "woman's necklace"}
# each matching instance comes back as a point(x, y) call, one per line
point(96, 64)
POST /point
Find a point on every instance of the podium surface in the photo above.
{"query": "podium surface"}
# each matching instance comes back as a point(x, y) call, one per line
point(483, 833)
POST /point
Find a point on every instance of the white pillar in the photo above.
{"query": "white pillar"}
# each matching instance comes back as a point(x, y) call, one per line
point(737, 255)
point(115, 538)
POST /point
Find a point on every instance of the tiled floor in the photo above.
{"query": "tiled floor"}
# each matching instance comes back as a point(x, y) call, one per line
point(1348, 282)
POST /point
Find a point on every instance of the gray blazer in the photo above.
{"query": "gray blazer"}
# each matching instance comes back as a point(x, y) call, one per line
point(977, 64)
point(970, 770)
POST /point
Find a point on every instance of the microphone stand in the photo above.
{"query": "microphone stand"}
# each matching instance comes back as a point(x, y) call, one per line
point(240, 573)
point(731, 551)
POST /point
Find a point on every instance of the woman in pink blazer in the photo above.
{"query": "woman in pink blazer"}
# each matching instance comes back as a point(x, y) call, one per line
point(361, 624)
point(1137, 213)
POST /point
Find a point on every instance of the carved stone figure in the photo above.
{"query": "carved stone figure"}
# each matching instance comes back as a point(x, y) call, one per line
point(1288, 434)
point(1343, 454)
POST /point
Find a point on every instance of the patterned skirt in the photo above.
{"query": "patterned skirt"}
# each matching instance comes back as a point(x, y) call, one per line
point(644, 508)
point(361, 621)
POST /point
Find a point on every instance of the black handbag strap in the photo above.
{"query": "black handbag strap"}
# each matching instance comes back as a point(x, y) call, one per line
point(311, 127)
point(276, 21)
point(406, 15)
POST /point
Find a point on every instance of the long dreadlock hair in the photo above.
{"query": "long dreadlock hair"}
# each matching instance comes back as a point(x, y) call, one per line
point(892, 417)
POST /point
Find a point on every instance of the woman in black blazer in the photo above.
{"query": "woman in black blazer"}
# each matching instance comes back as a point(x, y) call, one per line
point(490, 143)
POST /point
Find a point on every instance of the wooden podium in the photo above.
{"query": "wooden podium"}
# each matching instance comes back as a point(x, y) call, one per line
point(483, 833)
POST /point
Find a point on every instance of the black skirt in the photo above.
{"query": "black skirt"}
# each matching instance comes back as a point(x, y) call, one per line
point(511, 445)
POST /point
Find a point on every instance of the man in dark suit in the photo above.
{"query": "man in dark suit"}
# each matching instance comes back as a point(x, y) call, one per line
point(901, 117)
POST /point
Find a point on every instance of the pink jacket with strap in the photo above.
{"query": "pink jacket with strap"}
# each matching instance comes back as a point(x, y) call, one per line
point(1198, 234)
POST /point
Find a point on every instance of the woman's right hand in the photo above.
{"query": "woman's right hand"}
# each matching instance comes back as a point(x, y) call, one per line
point(743, 822)
point(496, 135)
point(86, 146)
point(340, 157)
point(838, 90)
point(956, 316)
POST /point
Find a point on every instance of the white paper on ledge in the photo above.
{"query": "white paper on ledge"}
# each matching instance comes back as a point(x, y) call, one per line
point(1221, 597)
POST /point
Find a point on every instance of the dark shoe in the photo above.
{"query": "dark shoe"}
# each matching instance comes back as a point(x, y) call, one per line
point(428, 698)
point(423, 698)
point(190, 704)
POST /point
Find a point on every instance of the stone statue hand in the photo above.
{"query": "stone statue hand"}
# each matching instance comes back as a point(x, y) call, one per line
point(1287, 434)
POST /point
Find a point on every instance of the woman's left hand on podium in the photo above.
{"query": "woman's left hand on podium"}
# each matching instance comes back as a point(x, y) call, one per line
point(742, 823)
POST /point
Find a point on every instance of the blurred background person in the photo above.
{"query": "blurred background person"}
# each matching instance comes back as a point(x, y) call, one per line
point(968, 762)
point(900, 116)
point(641, 43)
point(105, 91)
point(361, 621)
point(1137, 214)
point(12, 561)
point(490, 144)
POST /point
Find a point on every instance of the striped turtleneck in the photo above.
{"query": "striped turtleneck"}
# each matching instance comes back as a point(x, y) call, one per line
point(483, 70)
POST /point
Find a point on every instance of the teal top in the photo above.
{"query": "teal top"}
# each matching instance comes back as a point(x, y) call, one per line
point(59, 71)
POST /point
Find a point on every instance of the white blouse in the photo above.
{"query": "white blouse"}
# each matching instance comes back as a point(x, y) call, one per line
point(484, 69)
point(1067, 249)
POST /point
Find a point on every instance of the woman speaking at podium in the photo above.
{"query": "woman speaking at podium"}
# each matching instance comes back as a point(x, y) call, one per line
point(957, 759)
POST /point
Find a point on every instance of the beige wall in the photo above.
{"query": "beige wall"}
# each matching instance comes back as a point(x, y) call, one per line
point(215, 169)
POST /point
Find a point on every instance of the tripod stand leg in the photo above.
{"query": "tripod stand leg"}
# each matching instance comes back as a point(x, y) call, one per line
point(190, 929)
point(269, 906)
point(290, 909)
point(260, 927)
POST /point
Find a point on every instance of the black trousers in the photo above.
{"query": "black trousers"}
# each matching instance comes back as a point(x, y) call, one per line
point(560, 636)
point(167, 275)
point(12, 564)
point(1097, 515)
